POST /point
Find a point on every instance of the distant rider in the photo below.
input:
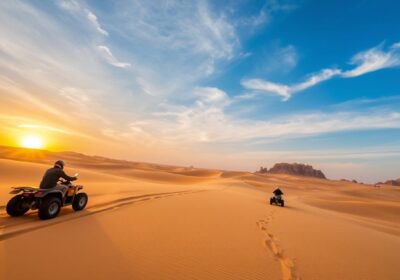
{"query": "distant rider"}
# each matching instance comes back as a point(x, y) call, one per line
point(278, 193)
point(53, 175)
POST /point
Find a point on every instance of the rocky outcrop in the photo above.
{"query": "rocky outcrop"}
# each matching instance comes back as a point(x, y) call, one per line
point(297, 169)
point(395, 182)
point(262, 170)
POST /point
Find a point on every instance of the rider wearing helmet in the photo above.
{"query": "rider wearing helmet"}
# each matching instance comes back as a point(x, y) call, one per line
point(54, 174)
point(277, 192)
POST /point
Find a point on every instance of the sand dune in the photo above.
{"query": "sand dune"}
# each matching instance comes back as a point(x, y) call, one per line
point(149, 221)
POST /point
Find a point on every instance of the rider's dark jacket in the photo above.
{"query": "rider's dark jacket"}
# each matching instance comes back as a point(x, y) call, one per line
point(277, 192)
point(52, 176)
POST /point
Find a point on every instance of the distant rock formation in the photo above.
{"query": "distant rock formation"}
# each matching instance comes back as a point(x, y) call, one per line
point(351, 181)
point(262, 170)
point(346, 180)
point(395, 182)
point(297, 169)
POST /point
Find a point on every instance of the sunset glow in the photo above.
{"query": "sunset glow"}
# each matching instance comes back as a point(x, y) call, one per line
point(32, 142)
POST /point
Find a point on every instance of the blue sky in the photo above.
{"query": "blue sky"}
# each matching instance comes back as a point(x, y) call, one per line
point(232, 84)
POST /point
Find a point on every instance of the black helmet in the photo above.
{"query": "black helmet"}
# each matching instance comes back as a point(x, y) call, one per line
point(59, 164)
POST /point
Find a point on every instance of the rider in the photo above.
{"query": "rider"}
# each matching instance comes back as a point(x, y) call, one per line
point(277, 193)
point(52, 175)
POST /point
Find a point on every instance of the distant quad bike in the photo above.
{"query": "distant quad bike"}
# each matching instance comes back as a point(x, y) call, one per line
point(47, 201)
point(277, 200)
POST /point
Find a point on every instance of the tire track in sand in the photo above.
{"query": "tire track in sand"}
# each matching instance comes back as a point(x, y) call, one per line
point(288, 267)
point(94, 209)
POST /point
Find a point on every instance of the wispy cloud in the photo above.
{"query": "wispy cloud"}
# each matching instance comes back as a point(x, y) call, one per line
point(278, 59)
point(269, 87)
point(107, 54)
point(265, 14)
point(256, 20)
point(93, 19)
point(373, 60)
point(288, 56)
point(43, 127)
point(367, 102)
point(211, 96)
point(367, 61)
point(287, 91)
point(73, 6)
point(69, 5)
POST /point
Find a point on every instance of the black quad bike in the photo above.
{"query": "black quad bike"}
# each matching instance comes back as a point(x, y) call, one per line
point(277, 200)
point(48, 202)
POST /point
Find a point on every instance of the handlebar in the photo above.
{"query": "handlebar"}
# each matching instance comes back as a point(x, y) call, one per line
point(63, 181)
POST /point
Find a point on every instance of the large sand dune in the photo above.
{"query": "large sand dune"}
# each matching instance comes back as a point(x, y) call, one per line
point(148, 221)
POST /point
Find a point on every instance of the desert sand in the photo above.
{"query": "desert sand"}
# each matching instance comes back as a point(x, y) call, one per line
point(148, 221)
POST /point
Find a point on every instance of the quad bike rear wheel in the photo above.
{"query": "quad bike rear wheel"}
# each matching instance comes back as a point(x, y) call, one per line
point(282, 203)
point(15, 206)
point(80, 201)
point(49, 208)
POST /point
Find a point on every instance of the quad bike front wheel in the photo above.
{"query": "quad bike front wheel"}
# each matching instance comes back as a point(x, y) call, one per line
point(80, 201)
point(15, 206)
point(49, 208)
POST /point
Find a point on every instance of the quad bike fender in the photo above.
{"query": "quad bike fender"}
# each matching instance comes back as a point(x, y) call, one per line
point(15, 191)
point(53, 192)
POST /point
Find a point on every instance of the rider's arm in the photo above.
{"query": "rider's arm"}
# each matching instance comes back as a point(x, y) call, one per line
point(66, 177)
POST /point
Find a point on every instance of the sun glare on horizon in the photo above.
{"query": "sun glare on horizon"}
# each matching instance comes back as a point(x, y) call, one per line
point(32, 142)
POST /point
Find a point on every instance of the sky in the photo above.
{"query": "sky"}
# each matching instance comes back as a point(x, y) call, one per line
point(216, 84)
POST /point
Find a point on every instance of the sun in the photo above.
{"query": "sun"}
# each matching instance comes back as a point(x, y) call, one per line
point(32, 142)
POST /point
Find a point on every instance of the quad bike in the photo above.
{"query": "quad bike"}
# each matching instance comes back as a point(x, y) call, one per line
point(47, 201)
point(277, 200)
